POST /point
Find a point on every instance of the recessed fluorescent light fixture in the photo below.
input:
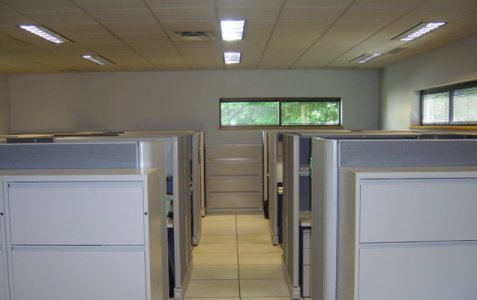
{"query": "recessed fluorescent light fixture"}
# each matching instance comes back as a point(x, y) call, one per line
point(418, 31)
point(366, 57)
point(97, 59)
point(44, 33)
point(232, 57)
point(232, 30)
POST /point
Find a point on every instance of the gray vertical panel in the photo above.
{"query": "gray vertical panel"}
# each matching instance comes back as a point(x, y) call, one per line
point(402, 153)
point(182, 209)
point(272, 159)
point(324, 221)
point(291, 207)
point(196, 189)
point(3, 253)
point(69, 156)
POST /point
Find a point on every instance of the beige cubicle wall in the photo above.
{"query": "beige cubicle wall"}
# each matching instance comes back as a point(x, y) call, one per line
point(331, 155)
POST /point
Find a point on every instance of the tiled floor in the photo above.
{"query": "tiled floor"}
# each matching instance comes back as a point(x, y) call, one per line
point(236, 260)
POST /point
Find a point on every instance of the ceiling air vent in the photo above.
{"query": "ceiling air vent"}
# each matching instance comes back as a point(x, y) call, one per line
point(193, 36)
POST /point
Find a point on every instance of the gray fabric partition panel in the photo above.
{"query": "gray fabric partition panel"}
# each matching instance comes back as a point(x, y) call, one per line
point(68, 156)
point(403, 153)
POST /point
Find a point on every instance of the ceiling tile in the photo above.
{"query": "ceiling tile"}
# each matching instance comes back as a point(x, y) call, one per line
point(399, 4)
point(248, 3)
point(318, 3)
point(64, 17)
point(135, 27)
point(245, 13)
point(311, 13)
point(109, 4)
point(183, 14)
point(180, 3)
point(173, 26)
point(29, 6)
point(123, 15)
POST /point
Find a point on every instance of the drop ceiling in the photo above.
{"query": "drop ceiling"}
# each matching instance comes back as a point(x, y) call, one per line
point(138, 35)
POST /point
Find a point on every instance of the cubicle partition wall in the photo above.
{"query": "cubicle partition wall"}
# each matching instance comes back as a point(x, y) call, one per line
point(172, 155)
point(3, 252)
point(330, 155)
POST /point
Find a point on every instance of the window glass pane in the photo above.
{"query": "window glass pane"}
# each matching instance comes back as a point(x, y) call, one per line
point(310, 113)
point(249, 113)
point(435, 108)
point(465, 105)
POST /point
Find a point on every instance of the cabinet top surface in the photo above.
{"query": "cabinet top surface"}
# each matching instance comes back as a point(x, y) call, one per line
point(120, 174)
point(413, 172)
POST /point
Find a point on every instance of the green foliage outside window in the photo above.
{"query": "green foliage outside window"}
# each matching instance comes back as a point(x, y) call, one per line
point(281, 112)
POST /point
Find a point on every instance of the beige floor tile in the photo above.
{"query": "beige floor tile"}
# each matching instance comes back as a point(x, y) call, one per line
point(218, 239)
point(215, 248)
point(266, 298)
point(251, 217)
point(221, 298)
point(260, 258)
point(213, 289)
point(263, 288)
point(219, 229)
point(215, 259)
point(215, 272)
point(254, 238)
point(261, 271)
point(250, 229)
point(258, 247)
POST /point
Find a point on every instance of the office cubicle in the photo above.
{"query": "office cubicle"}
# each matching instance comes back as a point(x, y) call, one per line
point(173, 155)
point(331, 154)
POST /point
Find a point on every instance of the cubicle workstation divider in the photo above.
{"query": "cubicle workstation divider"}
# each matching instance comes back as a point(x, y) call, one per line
point(334, 154)
point(171, 154)
point(3, 252)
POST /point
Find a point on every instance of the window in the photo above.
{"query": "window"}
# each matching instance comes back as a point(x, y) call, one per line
point(452, 105)
point(280, 112)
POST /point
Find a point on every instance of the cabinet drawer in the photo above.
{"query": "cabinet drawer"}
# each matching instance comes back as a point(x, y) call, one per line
point(233, 201)
point(234, 151)
point(306, 256)
point(439, 272)
point(418, 210)
point(76, 213)
point(222, 167)
point(78, 274)
point(306, 288)
point(248, 184)
point(306, 239)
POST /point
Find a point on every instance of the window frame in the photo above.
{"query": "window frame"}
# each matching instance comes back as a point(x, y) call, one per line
point(451, 89)
point(281, 100)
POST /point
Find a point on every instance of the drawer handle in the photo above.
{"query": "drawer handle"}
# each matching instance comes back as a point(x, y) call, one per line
point(1, 213)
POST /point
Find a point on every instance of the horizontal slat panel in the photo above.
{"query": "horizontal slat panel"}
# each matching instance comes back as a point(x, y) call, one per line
point(234, 184)
point(234, 151)
point(215, 168)
point(231, 201)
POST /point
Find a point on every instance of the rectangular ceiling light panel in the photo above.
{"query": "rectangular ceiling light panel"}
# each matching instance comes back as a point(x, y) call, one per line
point(232, 57)
point(44, 33)
point(97, 59)
point(366, 57)
point(232, 30)
point(418, 31)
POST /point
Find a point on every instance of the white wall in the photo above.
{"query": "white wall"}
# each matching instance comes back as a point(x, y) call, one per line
point(177, 100)
point(4, 105)
point(401, 82)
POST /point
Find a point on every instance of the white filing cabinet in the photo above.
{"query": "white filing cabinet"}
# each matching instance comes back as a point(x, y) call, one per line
point(86, 235)
point(3, 255)
point(408, 233)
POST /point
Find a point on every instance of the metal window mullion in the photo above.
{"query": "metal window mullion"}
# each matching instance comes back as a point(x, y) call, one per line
point(451, 106)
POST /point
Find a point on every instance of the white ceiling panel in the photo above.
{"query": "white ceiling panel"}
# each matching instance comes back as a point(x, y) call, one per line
point(322, 14)
point(108, 4)
point(123, 15)
point(247, 13)
point(249, 3)
point(318, 3)
point(63, 17)
point(179, 3)
point(279, 34)
point(185, 14)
